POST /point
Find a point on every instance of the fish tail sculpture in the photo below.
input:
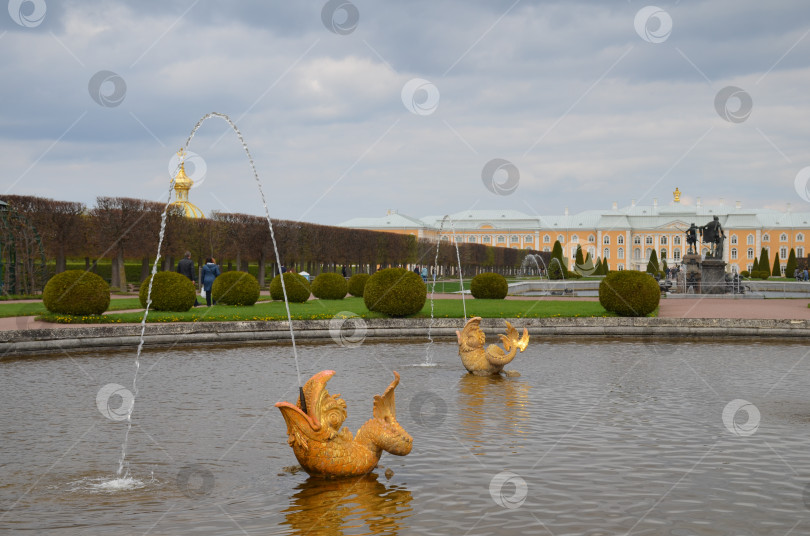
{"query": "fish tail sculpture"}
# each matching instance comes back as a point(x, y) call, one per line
point(479, 361)
point(323, 449)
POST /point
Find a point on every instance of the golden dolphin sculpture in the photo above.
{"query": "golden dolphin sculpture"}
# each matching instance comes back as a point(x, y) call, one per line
point(492, 360)
point(323, 449)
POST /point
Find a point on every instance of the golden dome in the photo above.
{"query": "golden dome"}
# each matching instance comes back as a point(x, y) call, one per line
point(182, 184)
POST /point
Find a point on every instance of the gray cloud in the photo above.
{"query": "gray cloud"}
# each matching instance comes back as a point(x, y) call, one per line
point(567, 91)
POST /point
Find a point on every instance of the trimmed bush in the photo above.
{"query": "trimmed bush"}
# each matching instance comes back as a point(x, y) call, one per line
point(235, 288)
point(395, 292)
point(76, 292)
point(297, 286)
point(357, 284)
point(745, 273)
point(330, 286)
point(489, 286)
point(760, 274)
point(573, 275)
point(170, 292)
point(629, 293)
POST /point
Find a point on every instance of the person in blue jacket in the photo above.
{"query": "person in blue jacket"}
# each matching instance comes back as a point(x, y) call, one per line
point(210, 271)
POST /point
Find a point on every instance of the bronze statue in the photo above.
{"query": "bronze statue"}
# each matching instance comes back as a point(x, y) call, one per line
point(492, 360)
point(714, 235)
point(691, 238)
point(323, 449)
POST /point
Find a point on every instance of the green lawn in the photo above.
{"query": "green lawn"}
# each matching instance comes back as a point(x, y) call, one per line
point(30, 309)
point(326, 309)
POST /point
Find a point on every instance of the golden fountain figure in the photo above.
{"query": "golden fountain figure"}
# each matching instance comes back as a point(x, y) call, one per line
point(323, 449)
point(492, 360)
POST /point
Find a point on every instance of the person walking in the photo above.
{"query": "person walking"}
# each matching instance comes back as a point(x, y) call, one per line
point(186, 267)
point(210, 271)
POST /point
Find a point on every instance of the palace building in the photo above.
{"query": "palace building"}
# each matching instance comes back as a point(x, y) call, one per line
point(625, 237)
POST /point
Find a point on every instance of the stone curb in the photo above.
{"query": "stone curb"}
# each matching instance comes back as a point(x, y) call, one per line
point(46, 341)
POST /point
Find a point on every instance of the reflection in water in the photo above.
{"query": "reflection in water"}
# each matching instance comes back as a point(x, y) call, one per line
point(493, 402)
point(330, 507)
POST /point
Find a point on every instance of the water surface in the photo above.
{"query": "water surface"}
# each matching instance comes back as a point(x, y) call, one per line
point(597, 436)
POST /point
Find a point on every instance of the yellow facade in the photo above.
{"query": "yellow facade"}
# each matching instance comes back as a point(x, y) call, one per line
point(623, 237)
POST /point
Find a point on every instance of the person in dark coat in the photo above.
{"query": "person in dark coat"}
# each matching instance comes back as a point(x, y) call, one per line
point(186, 267)
point(210, 271)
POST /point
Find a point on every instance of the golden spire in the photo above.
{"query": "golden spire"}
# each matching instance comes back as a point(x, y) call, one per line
point(182, 184)
point(676, 195)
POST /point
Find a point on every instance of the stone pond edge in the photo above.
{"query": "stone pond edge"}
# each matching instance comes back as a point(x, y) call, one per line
point(48, 341)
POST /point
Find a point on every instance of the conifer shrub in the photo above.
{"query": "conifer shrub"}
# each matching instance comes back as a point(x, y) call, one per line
point(330, 286)
point(629, 293)
point(357, 284)
point(489, 286)
point(76, 292)
point(395, 292)
point(235, 288)
point(297, 286)
point(170, 292)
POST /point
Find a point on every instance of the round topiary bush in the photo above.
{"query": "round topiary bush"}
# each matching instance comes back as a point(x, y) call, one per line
point(357, 284)
point(297, 288)
point(629, 293)
point(235, 288)
point(395, 292)
point(489, 286)
point(170, 292)
point(330, 286)
point(76, 292)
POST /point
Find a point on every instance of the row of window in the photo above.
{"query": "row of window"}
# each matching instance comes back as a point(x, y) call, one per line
point(648, 240)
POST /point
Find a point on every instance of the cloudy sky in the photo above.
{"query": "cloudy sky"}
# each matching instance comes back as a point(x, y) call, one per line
point(352, 108)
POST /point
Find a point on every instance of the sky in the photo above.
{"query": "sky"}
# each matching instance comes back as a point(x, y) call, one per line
point(351, 108)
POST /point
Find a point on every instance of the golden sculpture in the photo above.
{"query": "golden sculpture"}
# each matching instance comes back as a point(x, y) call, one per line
point(492, 360)
point(676, 195)
point(323, 449)
point(182, 184)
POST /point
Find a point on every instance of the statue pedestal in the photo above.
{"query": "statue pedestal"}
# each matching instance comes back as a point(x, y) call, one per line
point(703, 276)
point(714, 276)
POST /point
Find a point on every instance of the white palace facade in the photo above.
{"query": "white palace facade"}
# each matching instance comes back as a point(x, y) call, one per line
point(624, 237)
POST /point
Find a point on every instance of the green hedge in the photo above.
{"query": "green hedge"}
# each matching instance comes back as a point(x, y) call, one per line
point(235, 288)
point(489, 286)
point(297, 286)
point(170, 292)
point(395, 292)
point(76, 292)
point(629, 293)
point(760, 274)
point(330, 286)
point(357, 284)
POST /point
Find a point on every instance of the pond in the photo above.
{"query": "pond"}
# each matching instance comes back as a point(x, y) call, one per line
point(597, 436)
